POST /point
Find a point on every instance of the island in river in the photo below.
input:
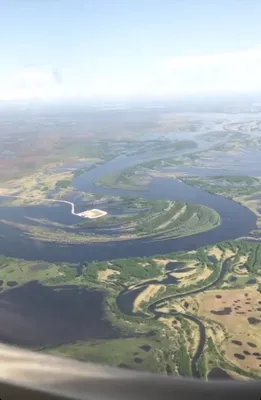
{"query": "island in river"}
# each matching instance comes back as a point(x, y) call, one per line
point(125, 219)
point(156, 283)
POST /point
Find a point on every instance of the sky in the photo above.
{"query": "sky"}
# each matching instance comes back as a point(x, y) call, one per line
point(124, 48)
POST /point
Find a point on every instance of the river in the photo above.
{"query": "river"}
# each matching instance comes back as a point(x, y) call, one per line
point(236, 221)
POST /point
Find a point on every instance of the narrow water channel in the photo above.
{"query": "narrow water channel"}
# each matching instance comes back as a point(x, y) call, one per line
point(126, 299)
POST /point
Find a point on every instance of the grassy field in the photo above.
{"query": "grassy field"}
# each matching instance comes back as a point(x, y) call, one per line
point(33, 189)
point(22, 271)
point(238, 311)
point(133, 353)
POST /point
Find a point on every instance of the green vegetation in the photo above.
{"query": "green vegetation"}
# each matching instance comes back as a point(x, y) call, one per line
point(184, 144)
point(184, 361)
point(237, 141)
point(160, 219)
point(80, 148)
point(202, 368)
point(129, 179)
point(81, 171)
point(138, 177)
point(123, 352)
point(232, 253)
point(243, 189)
point(229, 136)
point(172, 346)
point(130, 270)
point(227, 186)
point(158, 148)
point(22, 271)
point(253, 263)
point(139, 218)
point(63, 183)
point(170, 162)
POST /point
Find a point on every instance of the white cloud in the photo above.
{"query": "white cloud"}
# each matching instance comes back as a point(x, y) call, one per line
point(209, 73)
point(221, 60)
point(229, 72)
point(48, 83)
point(30, 83)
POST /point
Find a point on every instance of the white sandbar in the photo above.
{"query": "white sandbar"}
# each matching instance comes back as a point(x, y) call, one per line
point(94, 213)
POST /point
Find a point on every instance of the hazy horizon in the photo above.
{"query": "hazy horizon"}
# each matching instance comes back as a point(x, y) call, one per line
point(74, 49)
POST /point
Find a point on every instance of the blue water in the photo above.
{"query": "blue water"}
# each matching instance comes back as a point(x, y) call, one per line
point(237, 221)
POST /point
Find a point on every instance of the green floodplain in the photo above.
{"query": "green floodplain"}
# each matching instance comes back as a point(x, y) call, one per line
point(168, 343)
point(245, 190)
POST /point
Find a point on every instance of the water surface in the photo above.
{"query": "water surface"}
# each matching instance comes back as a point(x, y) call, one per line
point(36, 315)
